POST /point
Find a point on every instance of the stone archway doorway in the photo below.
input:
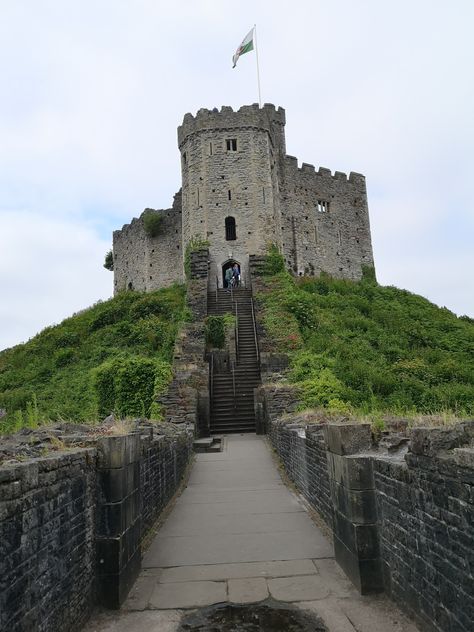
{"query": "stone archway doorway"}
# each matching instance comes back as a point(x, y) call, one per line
point(229, 265)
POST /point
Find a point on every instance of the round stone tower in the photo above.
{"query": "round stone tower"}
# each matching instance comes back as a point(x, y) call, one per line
point(230, 189)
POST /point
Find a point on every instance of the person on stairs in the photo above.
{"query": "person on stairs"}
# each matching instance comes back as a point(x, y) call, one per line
point(236, 275)
point(228, 277)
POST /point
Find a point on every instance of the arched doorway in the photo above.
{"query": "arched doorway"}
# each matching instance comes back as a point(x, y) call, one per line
point(228, 265)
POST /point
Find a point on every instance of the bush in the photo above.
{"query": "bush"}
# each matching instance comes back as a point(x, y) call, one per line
point(109, 261)
point(214, 328)
point(104, 385)
point(321, 390)
point(274, 261)
point(152, 222)
point(134, 387)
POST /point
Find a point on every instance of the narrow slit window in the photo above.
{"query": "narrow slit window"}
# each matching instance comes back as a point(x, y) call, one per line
point(185, 158)
point(263, 194)
point(229, 194)
point(231, 144)
point(210, 149)
point(230, 231)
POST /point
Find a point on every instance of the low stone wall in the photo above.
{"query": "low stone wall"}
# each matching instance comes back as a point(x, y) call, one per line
point(425, 508)
point(163, 465)
point(47, 531)
point(402, 518)
point(71, 525)
point(303, 453)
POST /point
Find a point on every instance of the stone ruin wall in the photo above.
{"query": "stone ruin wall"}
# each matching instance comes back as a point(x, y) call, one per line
point(333, 237)
point(149, 263)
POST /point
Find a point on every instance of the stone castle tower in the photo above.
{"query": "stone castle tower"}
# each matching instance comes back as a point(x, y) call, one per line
point(242, 192)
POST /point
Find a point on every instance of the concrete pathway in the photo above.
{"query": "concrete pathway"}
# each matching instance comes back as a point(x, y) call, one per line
point(238, 534)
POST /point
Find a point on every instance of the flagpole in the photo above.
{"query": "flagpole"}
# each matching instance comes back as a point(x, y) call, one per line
point(258, 68)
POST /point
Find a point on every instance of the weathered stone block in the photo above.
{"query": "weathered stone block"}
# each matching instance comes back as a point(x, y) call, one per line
point(365, 574)
point(343, 438)
point(357, 505)
point(360, 539)
point(114, 587)
point(431, 441)
point(464, 457)
point(354, 472)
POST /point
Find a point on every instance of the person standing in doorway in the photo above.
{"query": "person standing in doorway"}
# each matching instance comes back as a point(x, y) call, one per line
point(228, 277)
point(236, 275)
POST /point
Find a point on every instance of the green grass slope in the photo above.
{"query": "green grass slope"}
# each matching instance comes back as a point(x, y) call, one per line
point(367, 348)
point(114, 356)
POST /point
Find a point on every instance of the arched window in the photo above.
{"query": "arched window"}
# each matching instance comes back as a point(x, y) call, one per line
point(230, 233)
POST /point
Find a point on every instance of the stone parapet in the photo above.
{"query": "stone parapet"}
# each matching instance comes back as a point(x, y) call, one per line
point(72, 523)
point(401, 519)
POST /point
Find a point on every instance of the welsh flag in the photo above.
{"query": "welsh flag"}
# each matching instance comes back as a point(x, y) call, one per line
point(245, 47)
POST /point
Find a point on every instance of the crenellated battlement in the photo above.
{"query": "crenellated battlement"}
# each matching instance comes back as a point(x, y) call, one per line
point(291, 163)
point(226, 118)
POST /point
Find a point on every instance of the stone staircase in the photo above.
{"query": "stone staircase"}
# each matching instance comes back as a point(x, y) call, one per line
point(232, 399)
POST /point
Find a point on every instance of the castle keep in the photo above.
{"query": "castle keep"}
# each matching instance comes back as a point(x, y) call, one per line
point(241, 192)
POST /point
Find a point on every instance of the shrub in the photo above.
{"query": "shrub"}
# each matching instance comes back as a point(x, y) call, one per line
point(134, 386)
point(104, 385)
point(274, 261)
point(109, 261)
point(214, 328)
point(322, 389)
point(152, 222)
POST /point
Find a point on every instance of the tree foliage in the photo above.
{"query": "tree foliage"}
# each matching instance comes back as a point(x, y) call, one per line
point(109, 261)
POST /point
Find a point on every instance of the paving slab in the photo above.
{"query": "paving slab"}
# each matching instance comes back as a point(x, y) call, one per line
point(274, 497)
point(303, 588)
point(334, 578)
point(212, 524)
point(248, 590)
point(139, 596)
point(227, 548)
point(188, 594)
point(242, 570)
point(149, 620)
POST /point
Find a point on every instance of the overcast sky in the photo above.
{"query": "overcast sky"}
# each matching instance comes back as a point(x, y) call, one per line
point(92, 93)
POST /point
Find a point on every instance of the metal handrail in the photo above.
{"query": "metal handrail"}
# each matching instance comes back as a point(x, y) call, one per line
point(236, 329)
point(233, 383)
point(255, 331)
point(211, 390)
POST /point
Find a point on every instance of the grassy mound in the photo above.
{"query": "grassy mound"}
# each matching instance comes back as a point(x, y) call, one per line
point(367, 348)
point(114, 356)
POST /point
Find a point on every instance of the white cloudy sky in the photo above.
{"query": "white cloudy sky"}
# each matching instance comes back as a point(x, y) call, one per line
point(91, 94)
